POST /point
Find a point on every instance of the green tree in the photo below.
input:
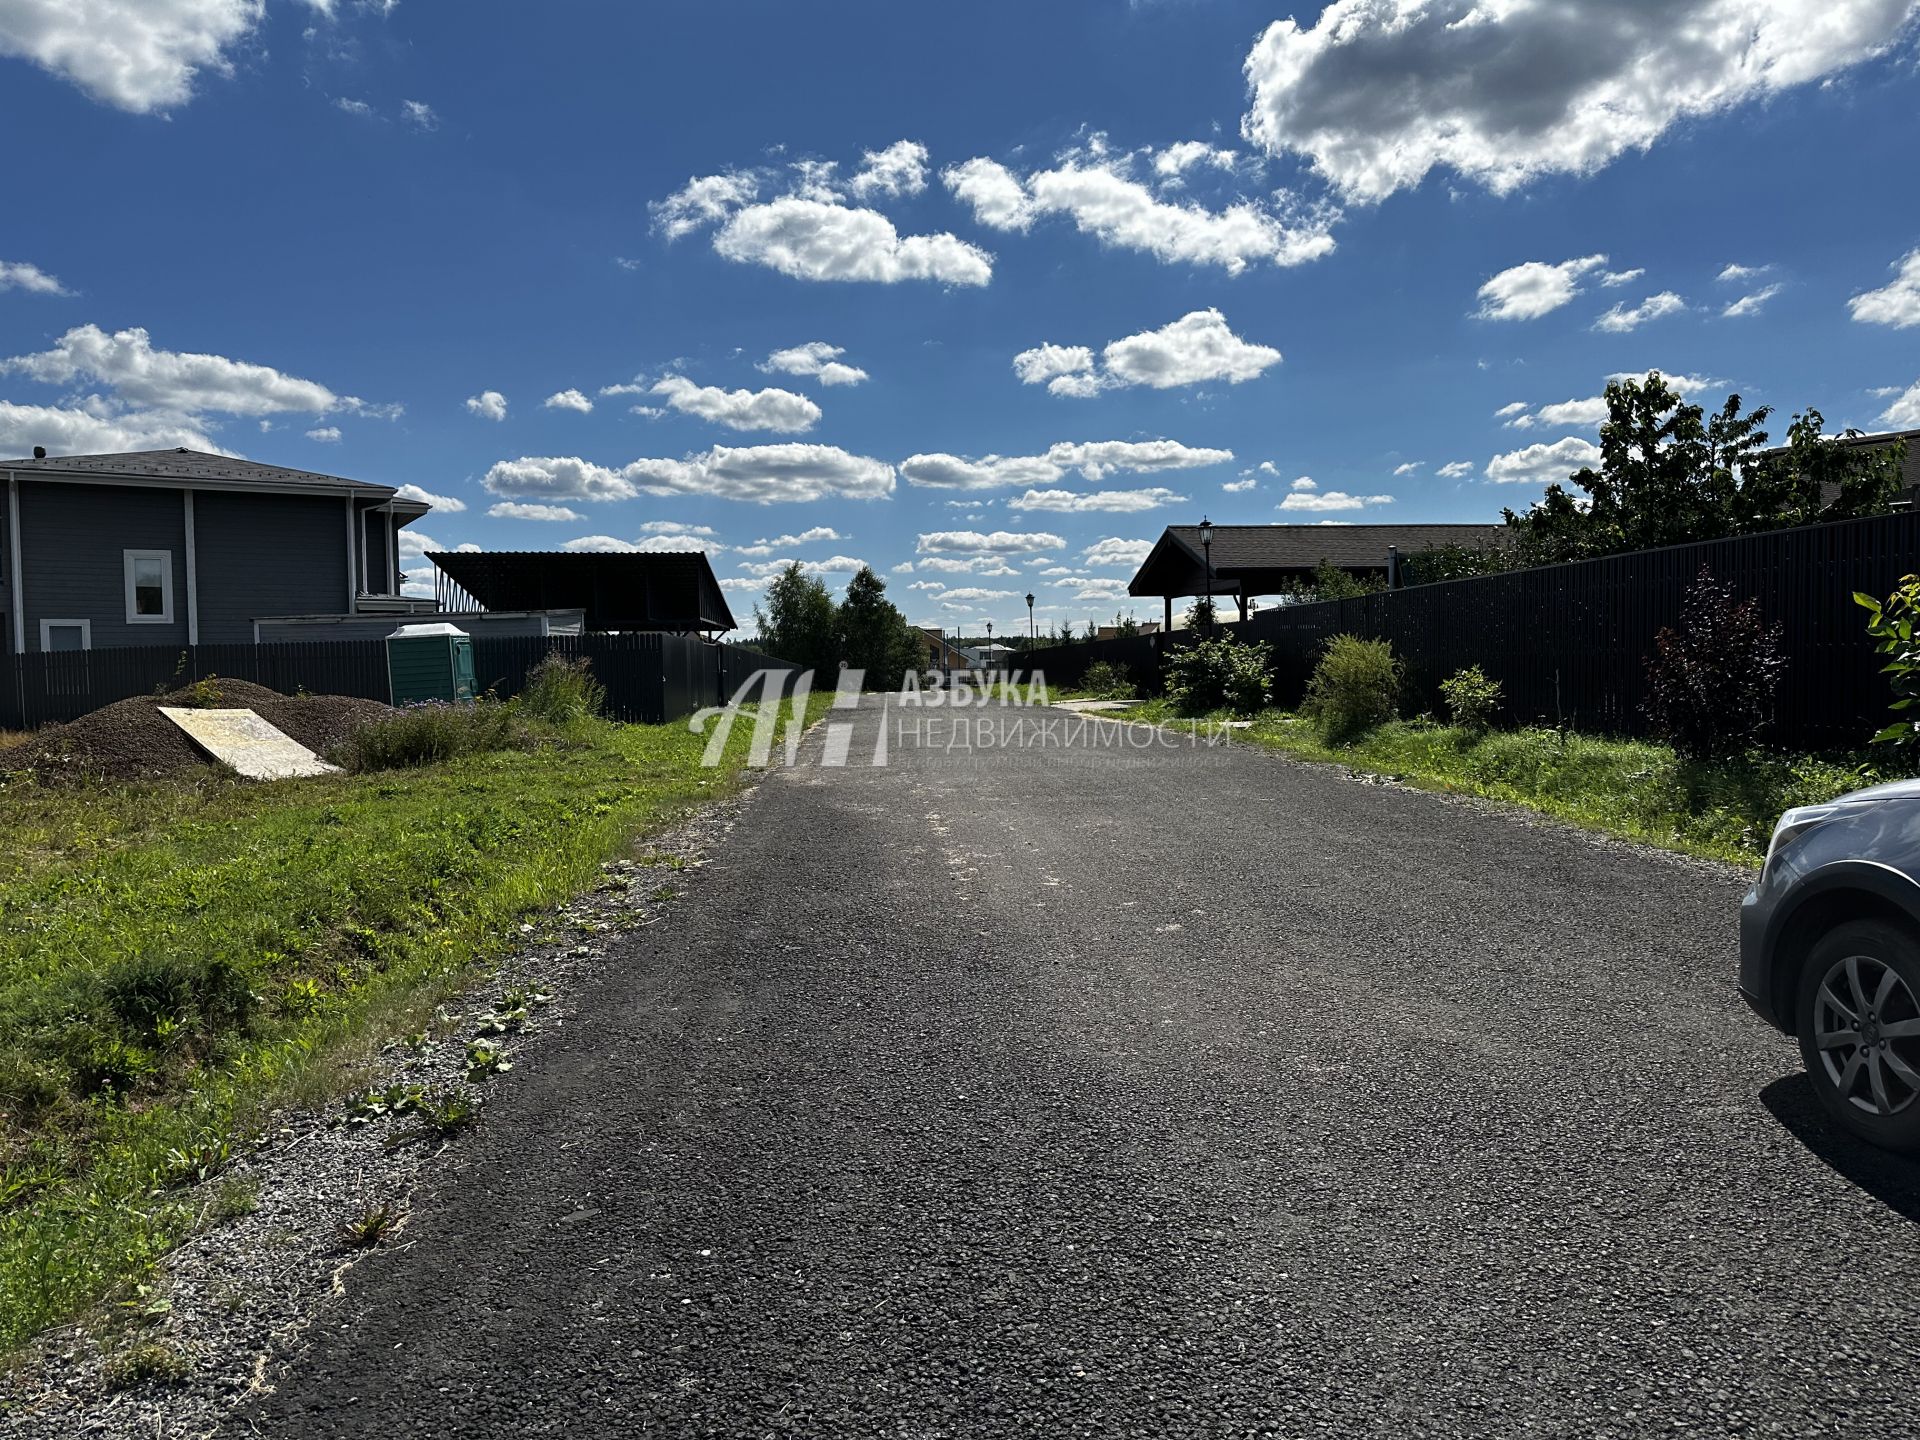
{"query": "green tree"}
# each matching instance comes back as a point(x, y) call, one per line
point(797, 622)
point(1670, 473)
point(874, 635)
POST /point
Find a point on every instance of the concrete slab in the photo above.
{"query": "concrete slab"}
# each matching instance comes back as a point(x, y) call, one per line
point(249, 744)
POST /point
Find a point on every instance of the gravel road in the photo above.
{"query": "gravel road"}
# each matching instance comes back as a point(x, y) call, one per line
point(1093, 1090)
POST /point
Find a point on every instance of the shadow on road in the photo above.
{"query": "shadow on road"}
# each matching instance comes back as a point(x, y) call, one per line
point(1893, 1181)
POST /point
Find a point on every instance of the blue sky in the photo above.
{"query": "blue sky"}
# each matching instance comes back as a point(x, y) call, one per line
point(1099, 267)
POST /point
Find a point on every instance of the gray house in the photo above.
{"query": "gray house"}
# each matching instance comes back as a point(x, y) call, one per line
point(176, 547)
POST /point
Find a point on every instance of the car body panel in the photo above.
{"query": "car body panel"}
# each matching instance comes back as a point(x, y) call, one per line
point(1868, 849)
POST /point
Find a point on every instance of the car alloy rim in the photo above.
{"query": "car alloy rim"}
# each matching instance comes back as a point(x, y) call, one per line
point(1866, 1025)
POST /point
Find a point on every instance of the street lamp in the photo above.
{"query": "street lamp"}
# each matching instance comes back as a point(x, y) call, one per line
point(1030, 631)
point(1206, 545)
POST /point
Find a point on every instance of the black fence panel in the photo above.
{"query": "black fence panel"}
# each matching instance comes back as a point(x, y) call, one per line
point(1568, 643)
point(649, 677)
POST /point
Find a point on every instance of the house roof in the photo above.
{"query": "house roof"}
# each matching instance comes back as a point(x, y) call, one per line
point(184, 464)
point(1265, 558)
point(627, 590)
point(1909, 465)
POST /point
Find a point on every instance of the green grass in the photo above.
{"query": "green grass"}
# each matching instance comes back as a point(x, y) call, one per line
point(1631, 788)
point(176, 959)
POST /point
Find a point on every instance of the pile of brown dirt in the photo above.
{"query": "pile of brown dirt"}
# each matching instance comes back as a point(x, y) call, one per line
point(132, 740)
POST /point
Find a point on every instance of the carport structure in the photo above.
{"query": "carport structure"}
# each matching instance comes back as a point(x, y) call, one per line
point(673, 591)
point(1250, 560)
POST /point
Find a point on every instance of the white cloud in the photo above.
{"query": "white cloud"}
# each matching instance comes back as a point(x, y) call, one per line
point(1305, 482)
point(900, 169)
point(358, 108)
point(1612, 279)
point(813, 536)
point(19, 275)
point(1896, 304)
point(1095, 191)
point(513, 510)
point(1511, 409)
point(325, 434)
point(832, 565)
point(1093, 459)
point(488, 405)
point(1196, 348)
point(704, 200)
point(971, 595)
point(1102, 590)
point(600, 545)
point(169, 380)
point(815, 240)
point(1589, 411)
point(569, 400)
point(1097, 459)
point(1454, 469)
point(1409, 467)
point(1621, 319)
point(138, 55)
point(763, 474)
point(1073, 502)
point(973, 542)
point(743, 582)
point(954, 472)
point(1750, 304)
point(1045, 362)
point(989, 565)
point(1377, 94)
point(68, 431)
point(419, 114)
point(815, 359)
point(1331, 500)
point(1904, 413)
point(1115, 551)
point(1528, 291)
point(1539, 463)
point(557, 477)
point(1240, 487)
point(1734, 274)
point(772, 409)
point(445, 504)
point(675, 527)
point(1177, 159)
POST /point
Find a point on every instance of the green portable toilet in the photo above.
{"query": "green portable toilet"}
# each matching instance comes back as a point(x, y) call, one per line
point(430, 662)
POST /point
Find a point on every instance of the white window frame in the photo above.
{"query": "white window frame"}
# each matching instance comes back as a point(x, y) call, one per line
point(47, 628)
point(128, 559)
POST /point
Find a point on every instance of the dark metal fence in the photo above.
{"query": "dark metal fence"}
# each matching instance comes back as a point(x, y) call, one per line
point(649, 678)
point(1568, 642)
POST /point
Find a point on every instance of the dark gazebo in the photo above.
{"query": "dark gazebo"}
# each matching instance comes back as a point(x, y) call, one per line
point(639, 590)
point(1250, 560)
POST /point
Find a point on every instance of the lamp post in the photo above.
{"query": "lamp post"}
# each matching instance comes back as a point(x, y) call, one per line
point(1030, 630)
point(1206, 546)
point(986, 656)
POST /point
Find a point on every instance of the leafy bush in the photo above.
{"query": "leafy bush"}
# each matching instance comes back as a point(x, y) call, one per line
point(1105, 680)
point(1355, 687)
point(1218, 674)
point(561, 691)
point(1891, 626)
point(430, 733)
point(1471, 698)
point(1711, 681)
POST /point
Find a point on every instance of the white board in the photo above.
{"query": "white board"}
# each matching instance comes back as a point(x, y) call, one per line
point(249, 744)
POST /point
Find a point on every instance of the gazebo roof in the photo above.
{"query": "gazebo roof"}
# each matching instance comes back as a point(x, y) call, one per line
point(1267, 559)
point(637, 590)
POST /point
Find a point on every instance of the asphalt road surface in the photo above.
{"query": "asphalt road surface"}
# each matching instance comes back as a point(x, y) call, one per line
point(1097, 1090)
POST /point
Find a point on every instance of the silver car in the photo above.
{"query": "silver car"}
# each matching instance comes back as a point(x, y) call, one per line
point(1830, 954)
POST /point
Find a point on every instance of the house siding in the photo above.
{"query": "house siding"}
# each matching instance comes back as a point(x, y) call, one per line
point(261, 555)
point(73, 566)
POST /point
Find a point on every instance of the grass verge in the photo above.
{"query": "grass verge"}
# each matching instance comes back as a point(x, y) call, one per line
point(177, 959)
point(1631, 788)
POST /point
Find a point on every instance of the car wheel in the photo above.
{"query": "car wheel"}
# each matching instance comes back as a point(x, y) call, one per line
point(1859, 1025)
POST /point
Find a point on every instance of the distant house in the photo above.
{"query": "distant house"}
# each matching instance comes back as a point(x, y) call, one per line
point(939, 652)
point(1244, 561)
point(178, 548)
